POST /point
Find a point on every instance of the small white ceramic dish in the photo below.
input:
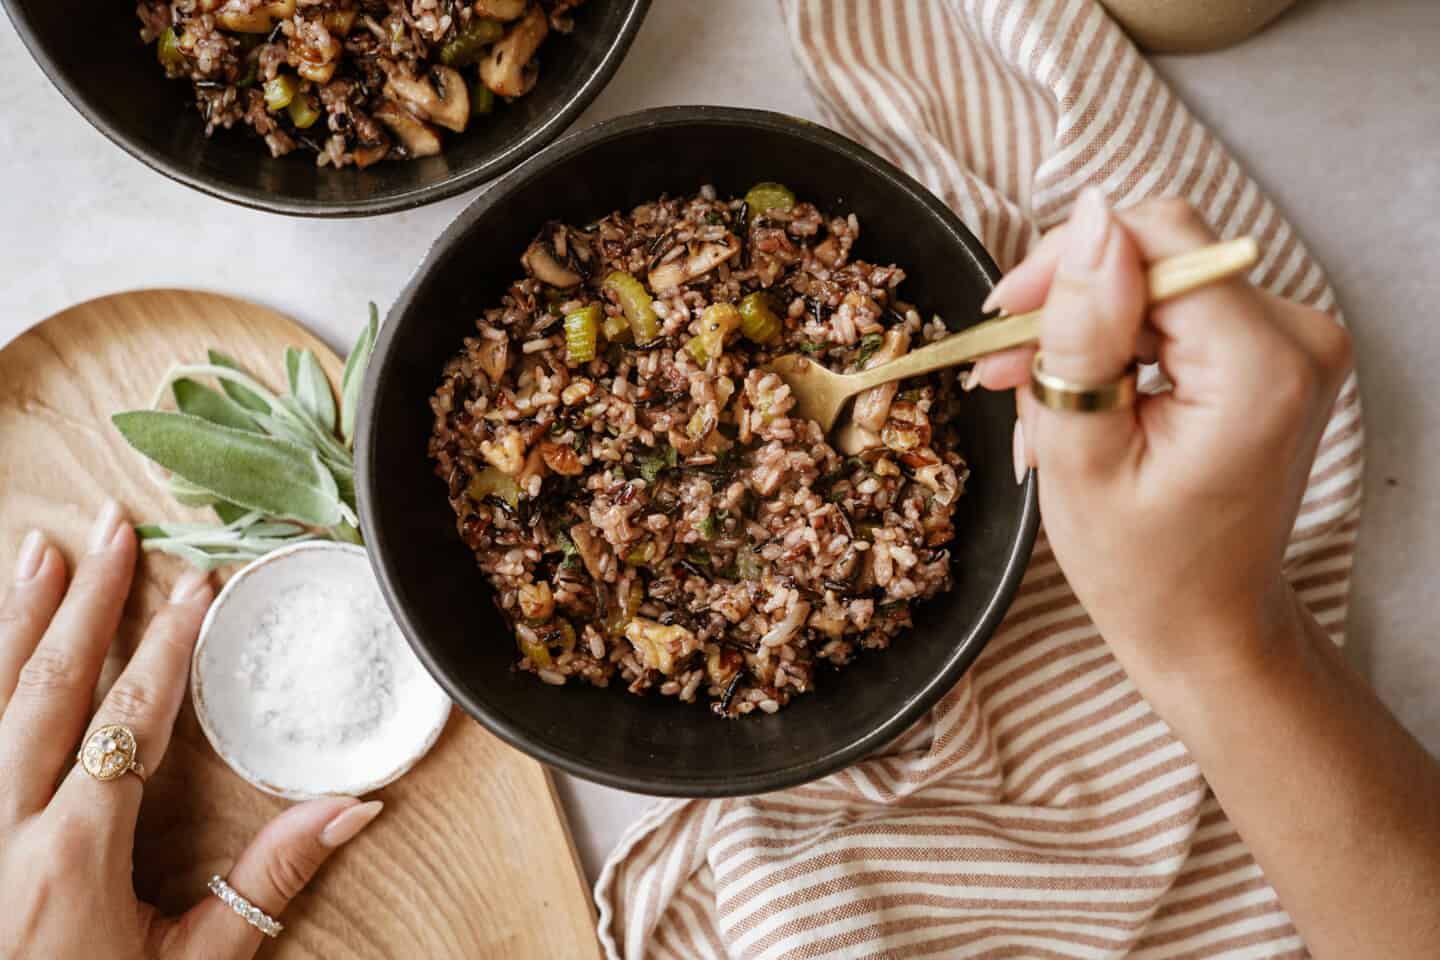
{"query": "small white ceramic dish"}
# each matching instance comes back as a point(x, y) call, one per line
point(293, 733)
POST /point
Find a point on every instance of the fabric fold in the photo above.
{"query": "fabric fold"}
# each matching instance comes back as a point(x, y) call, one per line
point(1041, 808)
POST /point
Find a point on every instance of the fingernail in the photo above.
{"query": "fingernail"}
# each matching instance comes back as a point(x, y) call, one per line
point(343, 828)
point(993, 300)
point(107, 525)
point(971, 380)
point(190, 586)
point(1089, 226)
point(32, 550)
point(1017, 453)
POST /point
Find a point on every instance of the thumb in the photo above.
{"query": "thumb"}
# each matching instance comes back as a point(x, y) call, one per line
point(1092, 320)
point(276, 866)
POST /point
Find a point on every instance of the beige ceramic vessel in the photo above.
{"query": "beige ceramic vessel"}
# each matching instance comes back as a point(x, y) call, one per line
point(1190, 26)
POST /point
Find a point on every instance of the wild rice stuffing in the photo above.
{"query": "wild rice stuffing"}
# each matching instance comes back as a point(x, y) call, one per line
point(384, 76)
point(628, 476)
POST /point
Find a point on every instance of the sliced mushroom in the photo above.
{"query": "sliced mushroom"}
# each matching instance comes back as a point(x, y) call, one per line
point(500, 9)
point(852, 439)
point(369, 154)
point(453, 112)
point(872, 407)
point(659, 646)
point(561, 458)
point(553, 257)
point(696, 262)
point(417, 137)
point(907, 428)
point(940, 478)
point(494, 356)
point(589, 549)
point(450, 107)
point(509, 70)
point(243, 17)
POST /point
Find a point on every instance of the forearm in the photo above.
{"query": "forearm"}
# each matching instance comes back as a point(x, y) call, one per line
point(1340, 806)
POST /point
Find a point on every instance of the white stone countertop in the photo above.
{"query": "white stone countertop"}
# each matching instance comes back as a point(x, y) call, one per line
point(1334, 109)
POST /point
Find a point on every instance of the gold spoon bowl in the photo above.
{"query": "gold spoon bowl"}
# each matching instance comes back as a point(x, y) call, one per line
point(821, 394)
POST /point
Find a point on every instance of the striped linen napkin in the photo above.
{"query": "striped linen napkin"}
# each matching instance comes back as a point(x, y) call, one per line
point(1041, 809)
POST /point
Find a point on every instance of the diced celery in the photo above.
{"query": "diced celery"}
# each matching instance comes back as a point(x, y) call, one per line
point(582, 329)
point(767, 196)
point(304, 111)
point(635, 301)
point(758, 321)
point(470, 41)
point(279, 92)
point(167, 51)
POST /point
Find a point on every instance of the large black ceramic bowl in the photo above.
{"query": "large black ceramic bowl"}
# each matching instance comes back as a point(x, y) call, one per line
point(656, 744)
point(92, 52)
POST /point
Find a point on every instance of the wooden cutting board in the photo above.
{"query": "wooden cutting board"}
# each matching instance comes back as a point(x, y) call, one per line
point(471, 857)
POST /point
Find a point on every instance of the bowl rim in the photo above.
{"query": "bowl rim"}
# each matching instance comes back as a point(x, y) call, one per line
point(790, 774)
point(523, 149)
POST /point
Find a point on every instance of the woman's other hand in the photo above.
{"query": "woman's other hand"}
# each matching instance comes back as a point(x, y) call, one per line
point(66, 839)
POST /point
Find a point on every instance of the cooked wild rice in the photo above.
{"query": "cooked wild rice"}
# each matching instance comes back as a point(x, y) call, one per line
point(383, 75)
point(646, 516)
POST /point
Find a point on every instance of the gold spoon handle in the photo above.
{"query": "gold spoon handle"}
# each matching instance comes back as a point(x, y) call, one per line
point(1166, 279)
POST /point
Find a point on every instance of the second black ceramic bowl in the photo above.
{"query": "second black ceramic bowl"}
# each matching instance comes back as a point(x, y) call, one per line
point(92, 52)
point(442, 602)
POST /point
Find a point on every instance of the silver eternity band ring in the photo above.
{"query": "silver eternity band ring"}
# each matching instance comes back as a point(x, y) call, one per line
point(246, 910)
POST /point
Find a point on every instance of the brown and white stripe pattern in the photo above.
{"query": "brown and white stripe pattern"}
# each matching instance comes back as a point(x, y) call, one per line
point(1041, 809)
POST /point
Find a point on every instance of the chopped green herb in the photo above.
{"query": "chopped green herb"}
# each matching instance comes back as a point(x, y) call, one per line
point(714, 219)
point(812, 348)
point(869, 343)
point(709, 527)
point(657, 460)
point(641, 554)
point(567, 546)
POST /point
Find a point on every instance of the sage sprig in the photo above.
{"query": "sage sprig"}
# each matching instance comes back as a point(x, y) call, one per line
point(206, 546)
point(270, 465)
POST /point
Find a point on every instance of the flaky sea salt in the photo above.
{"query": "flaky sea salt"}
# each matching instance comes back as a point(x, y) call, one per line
point(303, 682)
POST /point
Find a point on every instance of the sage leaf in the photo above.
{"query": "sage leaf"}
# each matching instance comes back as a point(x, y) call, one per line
point(228, 512)
point(244, 396)
point(309, 387)
point(188, 493)
point(276, 478)
point(346, 533)
point(200, 559)
point(345, 483)
point(212, 405)
point(323, 440)
point(354, 376)
point(292, 369)
point(286, 428)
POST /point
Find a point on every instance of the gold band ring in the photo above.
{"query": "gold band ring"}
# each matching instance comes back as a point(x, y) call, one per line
point(1059, 394)
point(108, 753)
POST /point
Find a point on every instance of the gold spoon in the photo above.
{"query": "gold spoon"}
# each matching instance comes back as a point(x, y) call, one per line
point(821, 394)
